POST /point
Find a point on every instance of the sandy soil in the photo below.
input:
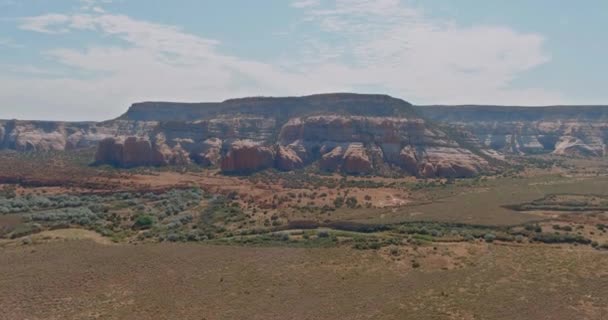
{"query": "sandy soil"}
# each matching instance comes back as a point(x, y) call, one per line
point(86, 280)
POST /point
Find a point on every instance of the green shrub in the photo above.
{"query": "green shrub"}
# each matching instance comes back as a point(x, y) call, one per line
point(143, 222)
point(351, 202)
point(489, 237)
point(323, 234)
point(339, 202)
point(560, 238)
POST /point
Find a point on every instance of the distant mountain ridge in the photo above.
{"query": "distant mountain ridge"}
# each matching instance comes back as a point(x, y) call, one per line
point(565, 130)
point(345, 132)
point(470, 113)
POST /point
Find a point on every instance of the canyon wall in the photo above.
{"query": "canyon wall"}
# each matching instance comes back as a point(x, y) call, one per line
point(348, 133)
point(561, 130)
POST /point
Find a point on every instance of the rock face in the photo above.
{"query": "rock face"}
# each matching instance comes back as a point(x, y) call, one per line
point(361, 145)
point(129, 152)
point(247, 156)
point(209, 153)
point(287, 159)
point(59, 136)
point(561, 130)
point(348, 133)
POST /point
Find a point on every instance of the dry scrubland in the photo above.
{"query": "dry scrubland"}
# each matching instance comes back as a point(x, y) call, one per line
point(80, 242)
point(84, 280)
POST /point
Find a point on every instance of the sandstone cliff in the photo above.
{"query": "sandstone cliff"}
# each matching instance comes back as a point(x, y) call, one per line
point(353, 134)
point(349, 133)
point(562, 130)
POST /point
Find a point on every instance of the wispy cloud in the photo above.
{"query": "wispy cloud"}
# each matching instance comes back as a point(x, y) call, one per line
point(397, 47)
point(160, 62)
point(94, 5)
point(380, 44)
point(48, 23)
point(9, 43)
point(305, 3)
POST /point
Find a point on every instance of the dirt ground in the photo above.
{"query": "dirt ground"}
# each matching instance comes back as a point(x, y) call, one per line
point(79, 274)
point(82, 279)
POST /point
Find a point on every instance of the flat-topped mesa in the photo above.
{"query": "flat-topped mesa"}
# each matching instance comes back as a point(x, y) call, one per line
point(364, 133)
point(342, 132)
point(348, 144)
point(280, 108)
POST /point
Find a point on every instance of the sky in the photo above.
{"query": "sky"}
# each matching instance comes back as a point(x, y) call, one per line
point(91, 59)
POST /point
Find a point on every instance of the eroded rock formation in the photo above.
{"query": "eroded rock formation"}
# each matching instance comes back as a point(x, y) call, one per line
point(247, 156)
point(349, 133)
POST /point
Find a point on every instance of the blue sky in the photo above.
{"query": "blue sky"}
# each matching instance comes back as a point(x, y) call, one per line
point(90, 59)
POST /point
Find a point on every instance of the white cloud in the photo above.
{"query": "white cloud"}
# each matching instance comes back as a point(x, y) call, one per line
point(374, 44)
point(396, 47)
point(160, 63)
point(94, 5)
point(305, 3)
point(47, 23)
point(9, 43)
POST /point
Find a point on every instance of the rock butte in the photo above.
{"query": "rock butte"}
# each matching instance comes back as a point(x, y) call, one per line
point(349, 133)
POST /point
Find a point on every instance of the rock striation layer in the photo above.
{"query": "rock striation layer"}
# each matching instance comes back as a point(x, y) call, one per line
point(353, 134)
point(347, 133)
point(561, 130)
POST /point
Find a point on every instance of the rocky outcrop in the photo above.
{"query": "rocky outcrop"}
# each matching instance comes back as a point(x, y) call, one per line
point(356, 160)
point(209, 153)
point(287, 159)
point(364, 145)
point(128, 152)
point(348, 133)
point(561, 130)
point(43, 136)
point(138, 151)
point(409, 160)
point(352, 160)
point(332, 160)
point(449, 162)
point(247, 156)
point(573, 146)
point(109, 151)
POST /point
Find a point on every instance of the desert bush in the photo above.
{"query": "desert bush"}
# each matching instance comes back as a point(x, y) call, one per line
point(533, 227)
point(143, 222)
point(8, 191)
point(489, 237)
point(338, 202)
point(394, 250)
point(560, 238)
point(72, 215)
point(323, 234)
point(173, 237)
point(283, 236)
point(351, 202)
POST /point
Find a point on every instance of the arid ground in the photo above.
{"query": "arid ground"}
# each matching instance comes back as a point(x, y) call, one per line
point(82, 242)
